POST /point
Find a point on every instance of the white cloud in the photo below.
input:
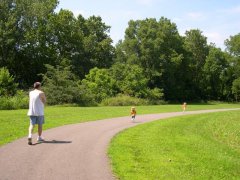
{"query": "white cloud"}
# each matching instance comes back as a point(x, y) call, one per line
point(195, 15)
point(216, 37)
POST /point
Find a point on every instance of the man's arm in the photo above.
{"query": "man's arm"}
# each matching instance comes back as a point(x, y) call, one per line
point(43, 98)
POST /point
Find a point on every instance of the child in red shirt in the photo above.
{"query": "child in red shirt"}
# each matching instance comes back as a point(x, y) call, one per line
point(133, 113)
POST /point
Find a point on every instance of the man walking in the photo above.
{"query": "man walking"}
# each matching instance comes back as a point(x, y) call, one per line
point(37, 99)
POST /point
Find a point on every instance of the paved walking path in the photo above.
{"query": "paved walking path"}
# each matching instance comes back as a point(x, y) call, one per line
point(71, 152)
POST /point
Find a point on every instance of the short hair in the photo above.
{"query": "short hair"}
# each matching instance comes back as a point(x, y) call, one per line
point(37, 85)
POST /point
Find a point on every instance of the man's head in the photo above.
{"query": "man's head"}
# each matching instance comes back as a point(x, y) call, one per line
point(37, 85)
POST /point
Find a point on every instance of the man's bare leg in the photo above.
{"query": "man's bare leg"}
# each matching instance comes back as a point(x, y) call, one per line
point(39, 130)
point(40, 133)
point(30, 131)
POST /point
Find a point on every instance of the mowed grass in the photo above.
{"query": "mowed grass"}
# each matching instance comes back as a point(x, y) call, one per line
point(204, 146)
point(14, 123)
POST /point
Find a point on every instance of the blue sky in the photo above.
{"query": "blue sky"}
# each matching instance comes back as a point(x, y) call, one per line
point(217, 19)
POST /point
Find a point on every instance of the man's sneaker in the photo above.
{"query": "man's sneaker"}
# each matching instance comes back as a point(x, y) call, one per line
point(40, 139)
point(29, 141)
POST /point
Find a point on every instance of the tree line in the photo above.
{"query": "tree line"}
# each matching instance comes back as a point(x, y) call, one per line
point(77, 62)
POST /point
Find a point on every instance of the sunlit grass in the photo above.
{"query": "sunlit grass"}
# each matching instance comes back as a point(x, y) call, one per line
point(205, 146)
point(14, 123)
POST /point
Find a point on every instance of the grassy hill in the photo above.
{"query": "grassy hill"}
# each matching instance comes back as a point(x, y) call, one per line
point(205, 146)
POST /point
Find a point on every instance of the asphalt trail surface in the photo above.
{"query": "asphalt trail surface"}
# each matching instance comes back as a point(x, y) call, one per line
point(71, 152)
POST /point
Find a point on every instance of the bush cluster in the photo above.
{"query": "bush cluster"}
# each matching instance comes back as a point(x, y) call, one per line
point(18, 101)
point(125, 100)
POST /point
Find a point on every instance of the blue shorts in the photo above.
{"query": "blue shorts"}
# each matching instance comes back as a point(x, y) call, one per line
point(37, 120)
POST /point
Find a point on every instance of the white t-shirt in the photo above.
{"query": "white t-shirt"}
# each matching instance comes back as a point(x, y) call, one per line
point(36, 106)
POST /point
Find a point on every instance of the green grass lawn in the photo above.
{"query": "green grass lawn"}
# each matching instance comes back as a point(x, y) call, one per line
point(205, 146)
point(14, 123)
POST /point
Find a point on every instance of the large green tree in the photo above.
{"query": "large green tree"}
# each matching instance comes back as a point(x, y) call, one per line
point(233, 45)
point(84, 42)
point(214, 74)
point(22, 40)
point(32, 35)
point(8, 31)
point(233, 48)
point(157, 47)
point(98, 50)
point(196, 46)
point(131, 81)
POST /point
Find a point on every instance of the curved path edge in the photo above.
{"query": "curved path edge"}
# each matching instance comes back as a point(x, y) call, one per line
point(70, 152)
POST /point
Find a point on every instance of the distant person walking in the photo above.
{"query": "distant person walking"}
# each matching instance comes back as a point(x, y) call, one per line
point(133, 113)
point(37, 99)
point(184, 106)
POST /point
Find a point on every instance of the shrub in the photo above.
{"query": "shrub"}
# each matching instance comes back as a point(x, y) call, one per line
point(5, 103)
point(99, 84)
point(236, 88)
point(124, 100)
point(7, 85)
point(19, 101)
point(60, 85)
